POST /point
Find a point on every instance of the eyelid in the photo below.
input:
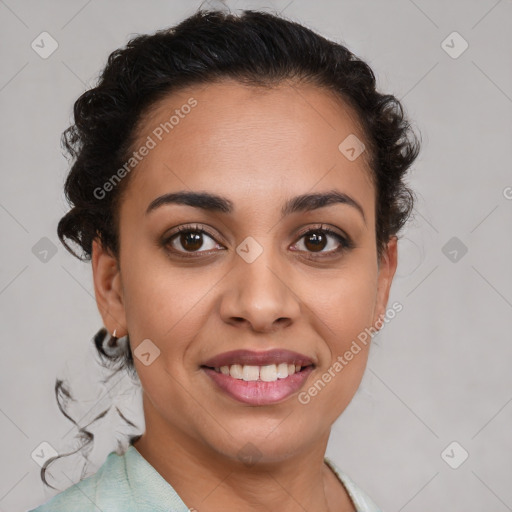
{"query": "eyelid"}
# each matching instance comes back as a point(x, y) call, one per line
point(194, 227)
point(323, 227)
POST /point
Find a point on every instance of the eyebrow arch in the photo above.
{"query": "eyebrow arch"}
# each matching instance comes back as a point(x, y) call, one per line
point(215, 203)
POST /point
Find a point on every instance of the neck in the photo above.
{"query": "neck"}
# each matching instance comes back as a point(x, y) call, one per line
point(207, 481)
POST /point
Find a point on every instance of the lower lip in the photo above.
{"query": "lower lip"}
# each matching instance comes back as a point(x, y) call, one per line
point(257, 392)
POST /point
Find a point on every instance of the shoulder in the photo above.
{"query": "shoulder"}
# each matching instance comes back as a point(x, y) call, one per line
point(361, 500)
point(124, 483)
point(108, 485)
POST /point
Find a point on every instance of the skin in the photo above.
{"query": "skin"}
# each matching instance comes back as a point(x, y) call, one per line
point(258, 148)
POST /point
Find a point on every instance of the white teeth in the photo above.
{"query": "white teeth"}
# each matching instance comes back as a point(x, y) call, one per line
point(267, 373)
point(282, 370)
point(235, 370)
point(250, 372)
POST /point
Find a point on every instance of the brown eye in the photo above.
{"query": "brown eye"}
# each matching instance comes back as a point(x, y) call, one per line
point(189, 240)
point(316, 240)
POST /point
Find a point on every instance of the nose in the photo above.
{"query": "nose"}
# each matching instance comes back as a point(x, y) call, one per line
point(259, 295)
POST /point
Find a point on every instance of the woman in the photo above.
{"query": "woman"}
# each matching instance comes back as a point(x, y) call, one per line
point(238, 186)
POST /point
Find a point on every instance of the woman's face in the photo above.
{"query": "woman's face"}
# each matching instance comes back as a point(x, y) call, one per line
point(261, 277)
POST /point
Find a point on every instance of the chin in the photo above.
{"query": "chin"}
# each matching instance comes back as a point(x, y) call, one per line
point(265, 443)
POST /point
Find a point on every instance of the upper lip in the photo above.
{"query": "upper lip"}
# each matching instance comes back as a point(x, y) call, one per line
point(250, 357)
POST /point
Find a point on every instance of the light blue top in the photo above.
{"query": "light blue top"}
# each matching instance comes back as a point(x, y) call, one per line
point(128, 483)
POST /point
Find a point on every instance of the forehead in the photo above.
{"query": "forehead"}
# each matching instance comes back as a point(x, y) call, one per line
point(254, 142)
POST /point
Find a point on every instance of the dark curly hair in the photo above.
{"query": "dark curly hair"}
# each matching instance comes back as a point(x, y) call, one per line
point(254, 48)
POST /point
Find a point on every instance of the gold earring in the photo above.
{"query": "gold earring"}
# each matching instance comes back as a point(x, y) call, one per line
point(112, 342)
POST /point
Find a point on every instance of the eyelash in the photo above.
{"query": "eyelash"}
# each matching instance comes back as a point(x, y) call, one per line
point(345, 243)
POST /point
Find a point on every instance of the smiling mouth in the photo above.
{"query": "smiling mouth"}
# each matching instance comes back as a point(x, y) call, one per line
point(264, 373)
point(259, 385)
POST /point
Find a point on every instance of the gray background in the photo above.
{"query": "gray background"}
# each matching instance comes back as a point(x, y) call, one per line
point(438, 373)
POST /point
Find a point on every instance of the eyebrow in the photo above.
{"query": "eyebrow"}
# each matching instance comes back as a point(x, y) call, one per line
point(215, 203)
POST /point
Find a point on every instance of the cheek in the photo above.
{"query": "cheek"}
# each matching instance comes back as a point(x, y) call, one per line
point(350, 310)
point(343, 314)
point(343, 303)
point(168, 308)
point(161, 302)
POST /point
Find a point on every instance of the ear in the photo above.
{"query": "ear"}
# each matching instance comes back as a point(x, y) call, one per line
point(387, 267)
point(108, 289)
